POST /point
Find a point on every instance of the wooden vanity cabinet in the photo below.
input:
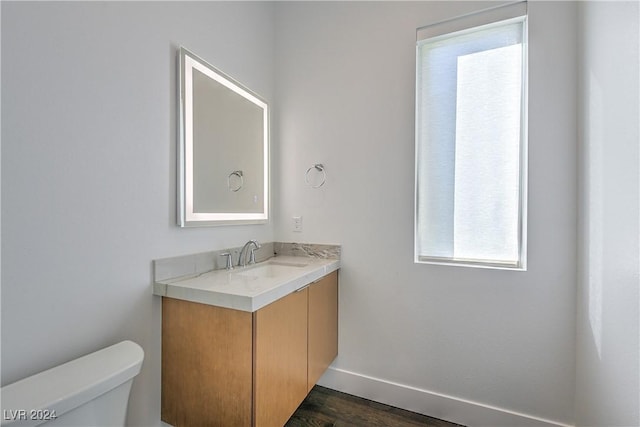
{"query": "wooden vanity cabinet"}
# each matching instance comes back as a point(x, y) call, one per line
point(322, 327)
point(223, 367)
point(280, 359)
point(207, 365)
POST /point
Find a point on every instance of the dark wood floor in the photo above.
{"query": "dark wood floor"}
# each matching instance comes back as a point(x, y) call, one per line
point(324, 407)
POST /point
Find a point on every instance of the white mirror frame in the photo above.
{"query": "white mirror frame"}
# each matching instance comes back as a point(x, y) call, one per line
point(187, 62)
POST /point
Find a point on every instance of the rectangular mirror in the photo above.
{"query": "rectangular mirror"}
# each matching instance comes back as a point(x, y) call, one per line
point(223, 158)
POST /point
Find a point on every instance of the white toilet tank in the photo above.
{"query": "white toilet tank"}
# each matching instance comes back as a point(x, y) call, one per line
point(92, 390)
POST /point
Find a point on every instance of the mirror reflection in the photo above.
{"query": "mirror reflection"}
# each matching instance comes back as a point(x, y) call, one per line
point(224, 148)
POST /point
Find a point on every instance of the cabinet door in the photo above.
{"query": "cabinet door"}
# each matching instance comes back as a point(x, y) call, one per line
point(280, 370)
point(206, 365)
point(323, 326)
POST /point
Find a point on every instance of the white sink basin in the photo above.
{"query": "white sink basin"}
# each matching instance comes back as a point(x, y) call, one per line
point(271, 269)
point(289, 264)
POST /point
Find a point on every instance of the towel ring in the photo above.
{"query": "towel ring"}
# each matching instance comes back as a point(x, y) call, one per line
point(239, 181)
point(320, 168)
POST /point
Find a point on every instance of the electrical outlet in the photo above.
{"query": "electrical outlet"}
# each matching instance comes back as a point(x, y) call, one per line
point(297, 224)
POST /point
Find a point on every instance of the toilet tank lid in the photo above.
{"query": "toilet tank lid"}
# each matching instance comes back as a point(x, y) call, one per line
point(74, 383)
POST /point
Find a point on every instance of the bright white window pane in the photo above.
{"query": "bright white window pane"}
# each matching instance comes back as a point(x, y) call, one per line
point(469, 123)
point(487, 159)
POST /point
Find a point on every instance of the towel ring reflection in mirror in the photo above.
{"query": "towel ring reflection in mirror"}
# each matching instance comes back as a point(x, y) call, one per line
point(321, 176)
point(235, 181)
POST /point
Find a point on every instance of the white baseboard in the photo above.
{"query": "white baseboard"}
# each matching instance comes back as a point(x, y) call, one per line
point(449, 408)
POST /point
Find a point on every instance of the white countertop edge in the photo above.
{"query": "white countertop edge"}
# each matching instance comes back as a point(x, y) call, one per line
point(174, 289)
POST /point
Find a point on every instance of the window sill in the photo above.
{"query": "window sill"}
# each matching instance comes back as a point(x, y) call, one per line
point(471, 263)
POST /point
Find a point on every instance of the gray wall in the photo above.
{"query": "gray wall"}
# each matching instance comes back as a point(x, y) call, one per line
point(346, 99)
point(608, 346)
point(88, 170)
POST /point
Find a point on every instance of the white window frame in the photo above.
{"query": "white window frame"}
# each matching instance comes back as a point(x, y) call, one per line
point(468, 23)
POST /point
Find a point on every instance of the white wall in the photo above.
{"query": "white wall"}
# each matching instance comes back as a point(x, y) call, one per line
point(88, 166)
point(88, 170)
point(345, 90)
point(608, 346)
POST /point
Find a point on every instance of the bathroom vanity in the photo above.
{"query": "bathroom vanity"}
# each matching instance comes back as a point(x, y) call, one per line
point(243, 347)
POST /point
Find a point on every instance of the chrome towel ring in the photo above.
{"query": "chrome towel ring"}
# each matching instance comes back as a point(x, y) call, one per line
point(319, 167)
point(236, 183)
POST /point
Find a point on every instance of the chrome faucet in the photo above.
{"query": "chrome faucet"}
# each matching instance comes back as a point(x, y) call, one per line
point(252, 254)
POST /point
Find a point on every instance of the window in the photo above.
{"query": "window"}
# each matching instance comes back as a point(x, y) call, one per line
point(471, 140)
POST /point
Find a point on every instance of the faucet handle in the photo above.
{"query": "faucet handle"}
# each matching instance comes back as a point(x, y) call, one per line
point(252, 255)
point(229, 265)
